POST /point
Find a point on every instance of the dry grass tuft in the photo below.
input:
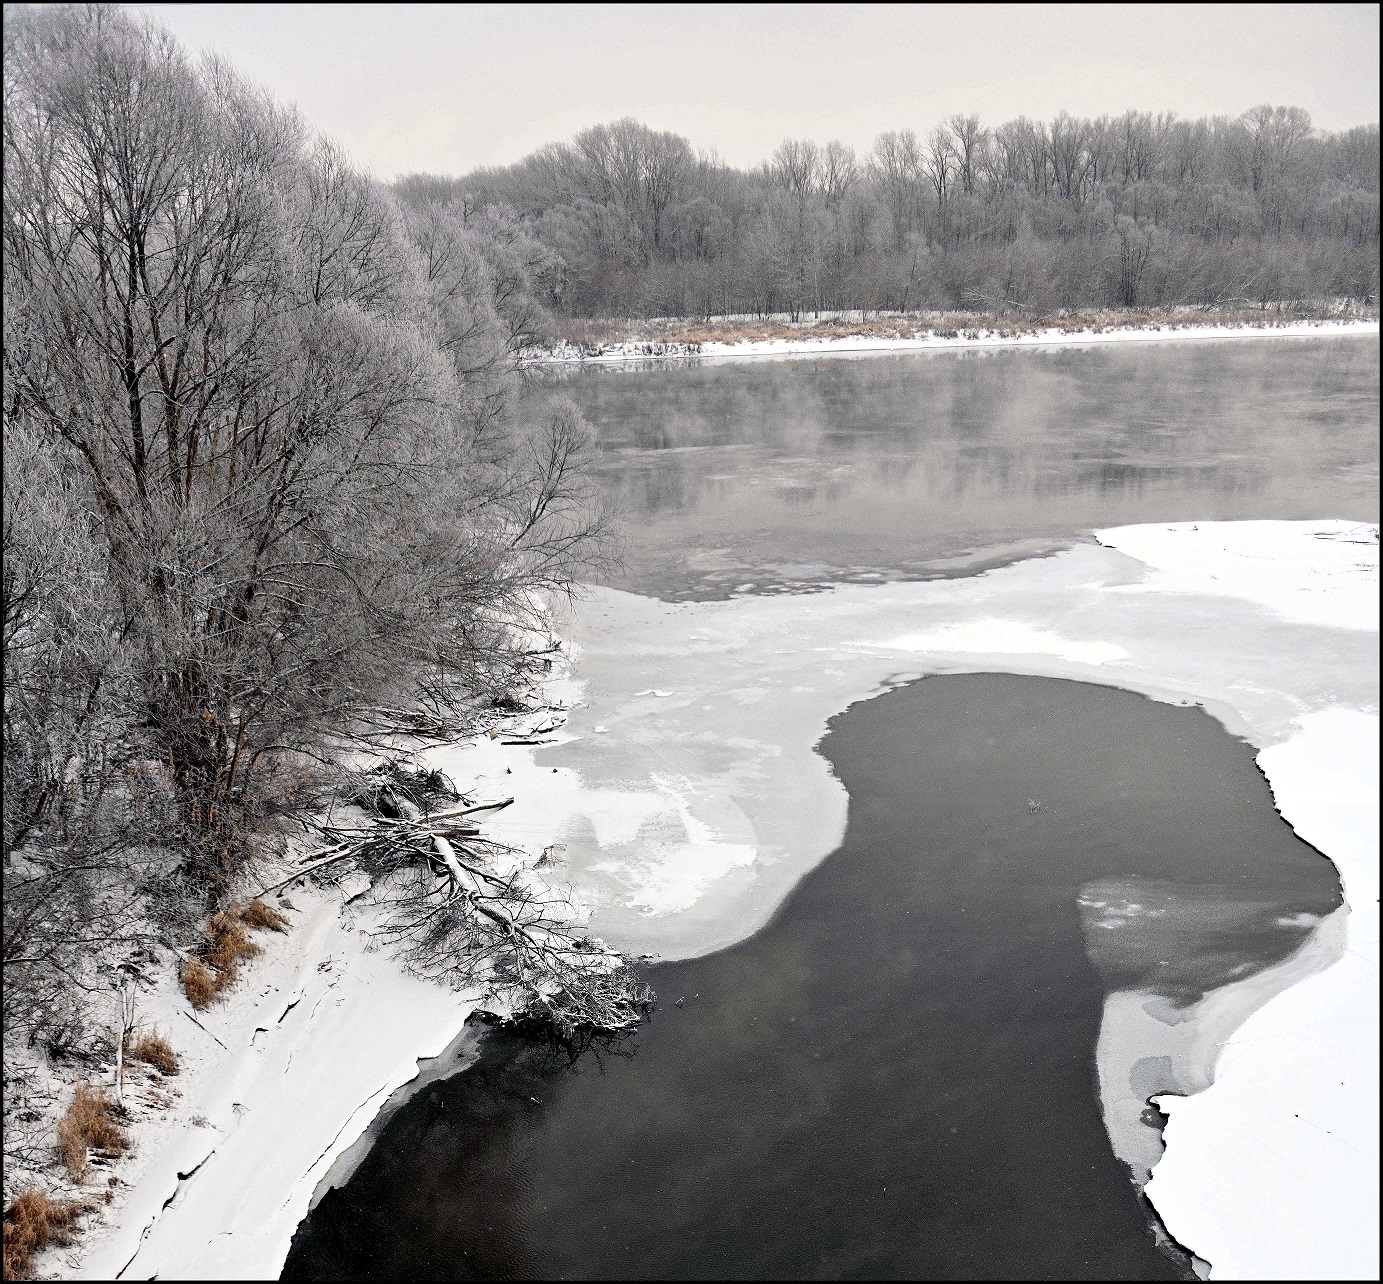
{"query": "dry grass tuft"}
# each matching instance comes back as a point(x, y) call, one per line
point(154, 1050)
point(90, 1124)
point(258, 914)
point(227, 945)
point(198, 983)
point(33, 1222)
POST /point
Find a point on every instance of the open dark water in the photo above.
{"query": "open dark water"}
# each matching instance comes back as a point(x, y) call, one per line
point(896, 1077)
point(764, 475)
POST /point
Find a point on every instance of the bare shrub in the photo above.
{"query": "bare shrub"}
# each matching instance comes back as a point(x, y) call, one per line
point(32, 1222)
point(90, 1123)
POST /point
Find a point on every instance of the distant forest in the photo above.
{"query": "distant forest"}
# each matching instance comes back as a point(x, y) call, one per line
point(1027, 217)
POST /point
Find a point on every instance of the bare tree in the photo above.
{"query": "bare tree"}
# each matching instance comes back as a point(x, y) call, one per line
point(897, 164)
point(1010, 165)
point(289, 403)
point(1134, 248)
point(1069, 151)
point(969, 139)
point(940, 164)
point(1268, 140)
point(840, 171)
point(796, 167)
point(644, 171)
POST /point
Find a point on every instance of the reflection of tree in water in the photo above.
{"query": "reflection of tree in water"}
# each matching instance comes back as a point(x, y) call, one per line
point(553, 1052)
point(452, 1162)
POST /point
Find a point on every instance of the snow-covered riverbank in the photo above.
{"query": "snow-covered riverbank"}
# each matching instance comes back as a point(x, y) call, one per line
point(1272, 1171)
point(688, 798)
point(276, 1082)
point(672, 349)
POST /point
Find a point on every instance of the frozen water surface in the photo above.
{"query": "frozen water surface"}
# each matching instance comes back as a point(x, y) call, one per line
point(688, 799)
point(893, 1078)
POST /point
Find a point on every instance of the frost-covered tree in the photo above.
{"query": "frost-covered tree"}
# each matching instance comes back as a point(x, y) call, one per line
point(282, 407)
point(1240, 191)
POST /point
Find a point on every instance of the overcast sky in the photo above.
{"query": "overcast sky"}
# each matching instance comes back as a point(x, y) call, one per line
point(447, 88)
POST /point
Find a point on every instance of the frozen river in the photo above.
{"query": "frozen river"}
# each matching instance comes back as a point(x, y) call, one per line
point(697, 822)
point(894, 1078)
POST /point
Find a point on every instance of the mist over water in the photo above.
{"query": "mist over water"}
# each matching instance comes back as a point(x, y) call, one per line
point(793, 473)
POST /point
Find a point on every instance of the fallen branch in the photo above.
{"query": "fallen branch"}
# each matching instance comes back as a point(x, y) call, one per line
point(200, 1026)
point(346, 853)
point(471, 912)
point(474, 807)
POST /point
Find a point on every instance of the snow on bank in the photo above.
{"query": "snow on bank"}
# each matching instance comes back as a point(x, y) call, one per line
point(1263, 562)
point(634, 350)
point(686, 799)
point(273, 1088)
point(1272, 1172)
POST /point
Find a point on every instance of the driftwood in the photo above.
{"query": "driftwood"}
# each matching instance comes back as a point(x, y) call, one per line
point(471, 912)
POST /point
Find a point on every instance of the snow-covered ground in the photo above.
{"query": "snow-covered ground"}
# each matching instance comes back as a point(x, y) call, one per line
point(688, 799)
point(1272, 1172)
point(276, 1083)
point(660, 349)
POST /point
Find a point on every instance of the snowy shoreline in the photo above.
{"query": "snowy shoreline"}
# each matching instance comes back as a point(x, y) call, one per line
point(277, 1083)
point(688, 810)
point(673, 350)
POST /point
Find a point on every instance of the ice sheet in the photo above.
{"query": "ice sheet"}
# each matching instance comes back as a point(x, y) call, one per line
point(684, 799)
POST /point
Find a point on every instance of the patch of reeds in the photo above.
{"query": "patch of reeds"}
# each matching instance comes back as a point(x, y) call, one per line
point(91, 1123)
point(213, 969)
point(32, 1222)
point(153, 1050)
point(198, 983)
point(258, 914)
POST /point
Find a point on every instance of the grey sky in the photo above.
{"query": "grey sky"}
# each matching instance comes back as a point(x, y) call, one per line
point(447, 88)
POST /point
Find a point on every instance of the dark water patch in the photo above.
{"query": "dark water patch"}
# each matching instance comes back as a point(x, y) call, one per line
point(717, 574)
point(899, 461)
point(894, 1078)
point(1182, 941)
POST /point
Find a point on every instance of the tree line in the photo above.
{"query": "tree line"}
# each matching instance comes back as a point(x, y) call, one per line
point(1026, 216)
point(264, 478)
